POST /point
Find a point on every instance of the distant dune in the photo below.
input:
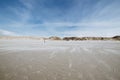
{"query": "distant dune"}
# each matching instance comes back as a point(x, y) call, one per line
point(20, 37)
point(64, 38)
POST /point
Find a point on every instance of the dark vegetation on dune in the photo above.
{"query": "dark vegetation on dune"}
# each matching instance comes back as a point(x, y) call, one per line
point(116, 37)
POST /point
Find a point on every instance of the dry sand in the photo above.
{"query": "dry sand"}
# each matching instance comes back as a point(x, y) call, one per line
point(59, 60)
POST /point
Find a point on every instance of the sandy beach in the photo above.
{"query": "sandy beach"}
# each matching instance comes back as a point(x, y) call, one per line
point(59, 60)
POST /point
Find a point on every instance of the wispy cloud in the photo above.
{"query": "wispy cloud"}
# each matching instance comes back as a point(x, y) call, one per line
point(64, 17)
point(7, 33)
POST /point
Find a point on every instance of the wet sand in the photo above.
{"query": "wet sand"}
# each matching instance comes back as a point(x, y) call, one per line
point(59, 60)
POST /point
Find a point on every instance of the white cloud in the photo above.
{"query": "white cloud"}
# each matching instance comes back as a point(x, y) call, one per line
point(91, 33)
point(7, 33)
point(28, 3)
point(87, 24)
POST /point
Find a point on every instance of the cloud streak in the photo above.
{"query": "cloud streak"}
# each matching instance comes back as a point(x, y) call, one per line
point(7, 33)
point(63, 17)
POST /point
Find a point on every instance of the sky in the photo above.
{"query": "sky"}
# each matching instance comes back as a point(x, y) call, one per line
point(60, 18)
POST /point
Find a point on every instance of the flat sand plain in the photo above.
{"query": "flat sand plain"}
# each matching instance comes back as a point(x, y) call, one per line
point(59, 60)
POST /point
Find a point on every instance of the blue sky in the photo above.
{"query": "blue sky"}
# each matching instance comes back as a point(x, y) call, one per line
point(60, 17)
